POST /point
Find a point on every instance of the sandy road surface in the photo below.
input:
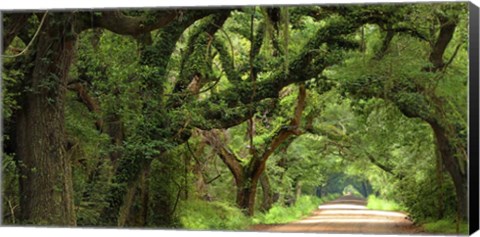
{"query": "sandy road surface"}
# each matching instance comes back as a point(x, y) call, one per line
point(347, 214)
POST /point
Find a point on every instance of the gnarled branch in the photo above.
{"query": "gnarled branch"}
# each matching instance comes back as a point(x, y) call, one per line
point(120, 23)
point(213, 139)
point(447, 28)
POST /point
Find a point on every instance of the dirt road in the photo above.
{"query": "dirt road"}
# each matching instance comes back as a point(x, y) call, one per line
point(347, 214)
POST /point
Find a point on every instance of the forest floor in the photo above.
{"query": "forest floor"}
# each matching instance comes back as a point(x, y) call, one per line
point(348, 214)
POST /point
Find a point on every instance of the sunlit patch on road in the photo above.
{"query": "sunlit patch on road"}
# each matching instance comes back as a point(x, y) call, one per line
point(340, 206)
point(346, 220)
point(359, 211)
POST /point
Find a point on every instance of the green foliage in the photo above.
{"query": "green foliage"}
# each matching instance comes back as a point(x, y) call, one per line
point(445, 226)
point(164, 181)
point(280, 214)
point(10, 192)
point(375, 203)
point(351, 190)
point(92, 171)
point(91, 193)
point(202, 215)
point(366, 119)
point(9, 102)
point(424, 198)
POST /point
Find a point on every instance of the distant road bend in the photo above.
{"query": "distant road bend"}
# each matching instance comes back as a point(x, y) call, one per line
point(347, 214)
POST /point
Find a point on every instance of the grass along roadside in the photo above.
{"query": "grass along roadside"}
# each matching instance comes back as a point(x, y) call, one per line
point(202, 215)
point(280, 214)
point(375, 203)
point(445, 226)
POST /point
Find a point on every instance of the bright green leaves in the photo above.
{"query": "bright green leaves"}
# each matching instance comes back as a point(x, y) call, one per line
point(202, 215)
point(9, 80)
point(88, 153)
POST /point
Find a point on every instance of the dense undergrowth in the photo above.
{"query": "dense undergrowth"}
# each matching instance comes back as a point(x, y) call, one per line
point(447, 225)
point(215, 215)
point(203, 215)
point(280, 214)
point(376, 203)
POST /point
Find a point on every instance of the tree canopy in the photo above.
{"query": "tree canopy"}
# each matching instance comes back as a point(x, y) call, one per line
point(133, 117)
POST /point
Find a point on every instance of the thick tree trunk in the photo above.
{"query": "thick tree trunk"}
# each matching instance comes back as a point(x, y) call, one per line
point(46, 191)
point(246, 178)
point(134, 211)
point(125, 208)
point(439, 174)
point(246, 192)
point(200, 183)
point(162, 202)
point(115, 130)
point(451, 163)
point(145, 194)
point(298, 190)
point(122, 196)
point(267, 193)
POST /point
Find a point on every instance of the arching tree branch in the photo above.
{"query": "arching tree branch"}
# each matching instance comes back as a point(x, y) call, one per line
point(120, 23)
point(447, 28)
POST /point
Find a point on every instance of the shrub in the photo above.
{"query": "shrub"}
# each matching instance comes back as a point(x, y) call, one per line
point(425, 199)
point(445, 226)
point(280, 214)
point(376, 203)
point(202, 215)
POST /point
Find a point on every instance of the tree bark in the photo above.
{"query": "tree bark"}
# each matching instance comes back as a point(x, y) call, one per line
point(447, 29)
point(298, 190)
point(446, 147)
point(125, 208)
point(267, 193)
point(145, 196)
point(134, 210)
point(115, 129)
point(90, 102)
point(459, 177)
point(46, 191)
point(46, 182)
point(246, 192)
point(122, 24)
point(247, 176)
point(439, 174)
